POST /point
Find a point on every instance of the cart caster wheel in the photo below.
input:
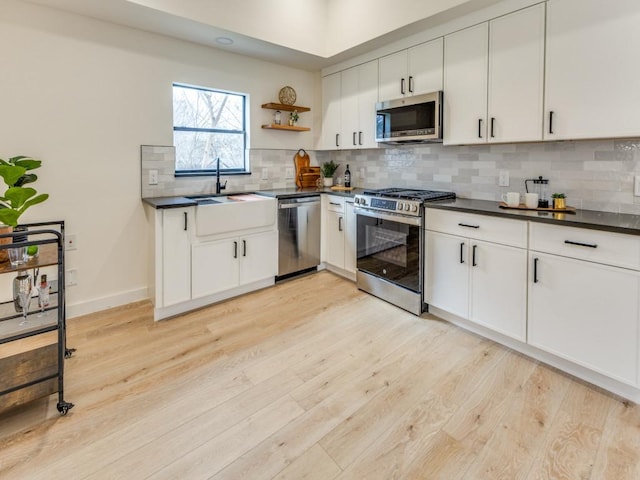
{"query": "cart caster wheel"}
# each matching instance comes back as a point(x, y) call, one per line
point(68, 352)
point(64, 407)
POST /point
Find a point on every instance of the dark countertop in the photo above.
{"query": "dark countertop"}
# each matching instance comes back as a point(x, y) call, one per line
point(180, 202)
point(305, 192)
point(595, 220)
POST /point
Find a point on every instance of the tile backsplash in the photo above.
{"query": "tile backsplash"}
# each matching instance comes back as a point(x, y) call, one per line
point(595, 174)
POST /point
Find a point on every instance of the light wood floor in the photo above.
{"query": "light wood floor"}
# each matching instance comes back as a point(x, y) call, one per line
point(312, 379)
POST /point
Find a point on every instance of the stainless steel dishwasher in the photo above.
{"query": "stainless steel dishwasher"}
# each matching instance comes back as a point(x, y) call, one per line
point(298, 235)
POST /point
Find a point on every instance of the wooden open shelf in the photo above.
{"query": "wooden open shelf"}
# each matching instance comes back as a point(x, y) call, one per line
point(286, 108)
point(287, 127)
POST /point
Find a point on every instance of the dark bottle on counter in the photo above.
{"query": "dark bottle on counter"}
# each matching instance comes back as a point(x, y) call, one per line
point(347, 177)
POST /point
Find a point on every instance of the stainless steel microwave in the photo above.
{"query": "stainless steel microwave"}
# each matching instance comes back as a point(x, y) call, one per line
point(414, 119)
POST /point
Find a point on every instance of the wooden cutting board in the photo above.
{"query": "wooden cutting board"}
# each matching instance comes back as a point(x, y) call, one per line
point(306, 176)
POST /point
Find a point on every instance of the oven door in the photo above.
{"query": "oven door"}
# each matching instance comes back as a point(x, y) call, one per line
point(389, 246)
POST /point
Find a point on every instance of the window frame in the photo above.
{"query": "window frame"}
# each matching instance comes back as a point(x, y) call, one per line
point(212, 171)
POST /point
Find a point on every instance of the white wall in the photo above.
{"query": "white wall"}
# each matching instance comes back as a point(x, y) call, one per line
point(83, 95)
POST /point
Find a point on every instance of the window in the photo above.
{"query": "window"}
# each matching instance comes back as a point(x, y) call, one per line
point(207, 125)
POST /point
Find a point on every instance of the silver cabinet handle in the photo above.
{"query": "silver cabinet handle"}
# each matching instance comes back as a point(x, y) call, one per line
point(235, 249)
point(359, 138)
point(461, 252)
point(535, 270)
point(244, 248)
point(337, 140)
point(354, 138)
point(339, 224)
point(410, 84)
point(185, 221)
point(402, 86)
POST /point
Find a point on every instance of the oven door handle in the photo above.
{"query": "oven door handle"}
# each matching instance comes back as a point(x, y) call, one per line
point(417, 221)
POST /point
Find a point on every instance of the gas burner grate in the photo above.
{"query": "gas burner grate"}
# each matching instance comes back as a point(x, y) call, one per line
point(411, 194)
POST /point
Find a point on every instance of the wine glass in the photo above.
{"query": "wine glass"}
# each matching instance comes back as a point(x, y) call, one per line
point(24, 286)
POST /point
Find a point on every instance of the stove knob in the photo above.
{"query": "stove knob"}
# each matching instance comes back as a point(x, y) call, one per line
point(414, 208)
point(356, 201)
point(400, 206)
point(407, 207)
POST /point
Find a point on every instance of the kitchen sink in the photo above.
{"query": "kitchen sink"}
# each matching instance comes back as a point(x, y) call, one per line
point(219, 214)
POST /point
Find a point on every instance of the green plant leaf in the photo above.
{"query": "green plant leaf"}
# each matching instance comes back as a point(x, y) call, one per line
point(17, 196)
point(28, 163)
point(34, 201)
point(11, 173)
point(26, 178)
point(9, 216)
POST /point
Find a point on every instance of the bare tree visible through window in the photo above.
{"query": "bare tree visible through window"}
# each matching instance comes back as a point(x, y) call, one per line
point(208, 124)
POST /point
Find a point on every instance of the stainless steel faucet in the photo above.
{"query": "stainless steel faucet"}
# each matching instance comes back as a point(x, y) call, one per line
point(219, 187)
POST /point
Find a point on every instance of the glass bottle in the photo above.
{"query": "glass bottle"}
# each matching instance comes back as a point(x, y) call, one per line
point(347, 177)
point(21, 285)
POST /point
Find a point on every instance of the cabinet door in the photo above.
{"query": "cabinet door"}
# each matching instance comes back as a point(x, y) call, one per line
point(176, 256)
point(258, 257)
point(350, 238)
point(368, 88)
point(215, 267)
point(465, 85)
point(585, 312)
point(335, 239)
point(425, 67)
point(446, 273)
point(331, 124)
point(516, 67)
point(591, 59)
point(392, 76)
point(499, 288)
point(349, 108)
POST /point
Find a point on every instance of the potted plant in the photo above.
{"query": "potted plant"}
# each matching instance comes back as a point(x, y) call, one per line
point(293, 118)
point(328, 169)
point(17, 198)
point(559, 200)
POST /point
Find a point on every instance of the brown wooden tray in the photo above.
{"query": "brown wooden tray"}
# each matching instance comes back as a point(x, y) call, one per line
point(342, 188)
point(522, 206)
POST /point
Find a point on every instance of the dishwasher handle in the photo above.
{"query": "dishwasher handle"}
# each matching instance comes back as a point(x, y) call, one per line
point(298, 204)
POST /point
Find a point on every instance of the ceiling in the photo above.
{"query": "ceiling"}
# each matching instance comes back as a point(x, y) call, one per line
point(307, 34)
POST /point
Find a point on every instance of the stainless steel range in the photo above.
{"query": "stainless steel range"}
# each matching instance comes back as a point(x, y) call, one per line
point(390, 243)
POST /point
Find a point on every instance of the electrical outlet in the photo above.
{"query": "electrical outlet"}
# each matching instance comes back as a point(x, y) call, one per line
point(71, 241)
point(636, 186)
point(71, 277)
point(289, 172)
point(503, 178)
point(265, 173)
point(153, 177)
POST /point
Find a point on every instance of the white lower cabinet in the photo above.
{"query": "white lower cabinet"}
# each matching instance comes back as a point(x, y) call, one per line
point(176, 255)
point(585, 312)
point(232, 262)
point(584, 296)
point(339, 234)
point(480, 281)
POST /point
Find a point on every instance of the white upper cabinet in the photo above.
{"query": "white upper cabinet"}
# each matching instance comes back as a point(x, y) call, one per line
point(359, 94)
point(465, 85)
point(493, 77)
point(516, 80)
point(592, 69)
point(349, 108)
point(331, 105)
point(413, 71)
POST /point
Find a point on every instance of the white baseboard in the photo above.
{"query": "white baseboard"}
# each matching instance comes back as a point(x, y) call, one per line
point(104, 303)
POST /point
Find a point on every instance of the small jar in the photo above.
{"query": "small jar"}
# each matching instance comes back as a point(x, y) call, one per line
point(277, 117)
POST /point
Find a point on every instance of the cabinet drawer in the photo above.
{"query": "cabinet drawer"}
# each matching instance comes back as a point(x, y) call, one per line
point(335, 203)
point(593, 245)
point(480, 227)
